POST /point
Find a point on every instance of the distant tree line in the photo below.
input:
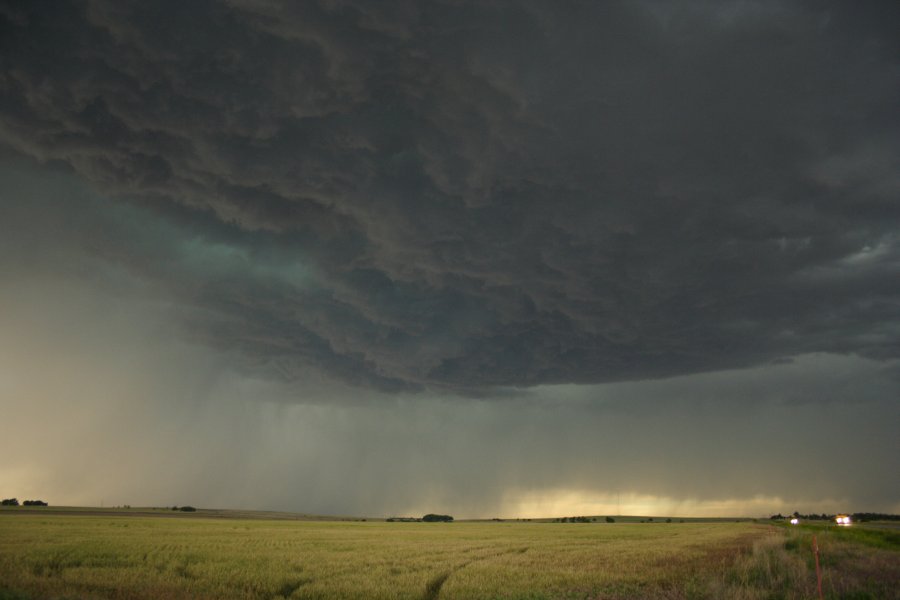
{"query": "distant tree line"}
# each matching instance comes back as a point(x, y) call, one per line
point(15, 502)
point(433, 518)
point(184, 508)
point(429, 518)
point(809, 517)
point(858, 517)
point(874, 517)
point(576, 520)
point(606, 519)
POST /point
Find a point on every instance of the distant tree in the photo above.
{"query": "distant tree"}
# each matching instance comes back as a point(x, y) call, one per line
point(668, 520)
point(610, 520)
point(34, 503)
point(433, 518)
point(860, 516)
point(9, 502)
point(650, 520)
point(187, 509)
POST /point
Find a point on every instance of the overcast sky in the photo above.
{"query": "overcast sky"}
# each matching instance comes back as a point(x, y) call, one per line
point(511, 259)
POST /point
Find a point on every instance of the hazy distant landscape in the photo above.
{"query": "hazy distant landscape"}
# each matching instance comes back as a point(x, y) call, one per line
point(95, 553)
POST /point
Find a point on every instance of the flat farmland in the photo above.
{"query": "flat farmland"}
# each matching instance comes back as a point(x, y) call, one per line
point(93, 556)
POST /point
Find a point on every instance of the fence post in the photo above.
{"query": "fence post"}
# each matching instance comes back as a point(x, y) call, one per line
point(818, 572)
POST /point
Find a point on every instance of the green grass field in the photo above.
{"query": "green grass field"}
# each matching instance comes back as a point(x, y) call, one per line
point(98, 556)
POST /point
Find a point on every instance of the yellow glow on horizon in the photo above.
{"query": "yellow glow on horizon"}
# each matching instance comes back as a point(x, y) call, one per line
point(568, 502)
point(25, 481)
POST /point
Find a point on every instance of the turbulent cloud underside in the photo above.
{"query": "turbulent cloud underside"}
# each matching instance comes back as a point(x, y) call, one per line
point(463, 196)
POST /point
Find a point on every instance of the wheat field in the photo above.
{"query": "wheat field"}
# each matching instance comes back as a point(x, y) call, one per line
point(61, 556)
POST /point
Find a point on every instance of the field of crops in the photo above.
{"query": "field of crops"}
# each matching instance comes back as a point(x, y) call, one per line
point(61, 556)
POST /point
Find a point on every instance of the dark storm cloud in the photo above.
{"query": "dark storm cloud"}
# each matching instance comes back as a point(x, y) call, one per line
point(484, 194)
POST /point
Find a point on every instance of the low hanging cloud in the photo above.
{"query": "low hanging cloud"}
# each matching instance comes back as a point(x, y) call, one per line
point(127, 377)
point(464, 196)
point(102, 406)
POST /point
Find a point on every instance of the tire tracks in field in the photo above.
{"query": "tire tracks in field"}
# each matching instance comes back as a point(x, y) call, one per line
point(288, 588)
point(434, 585)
